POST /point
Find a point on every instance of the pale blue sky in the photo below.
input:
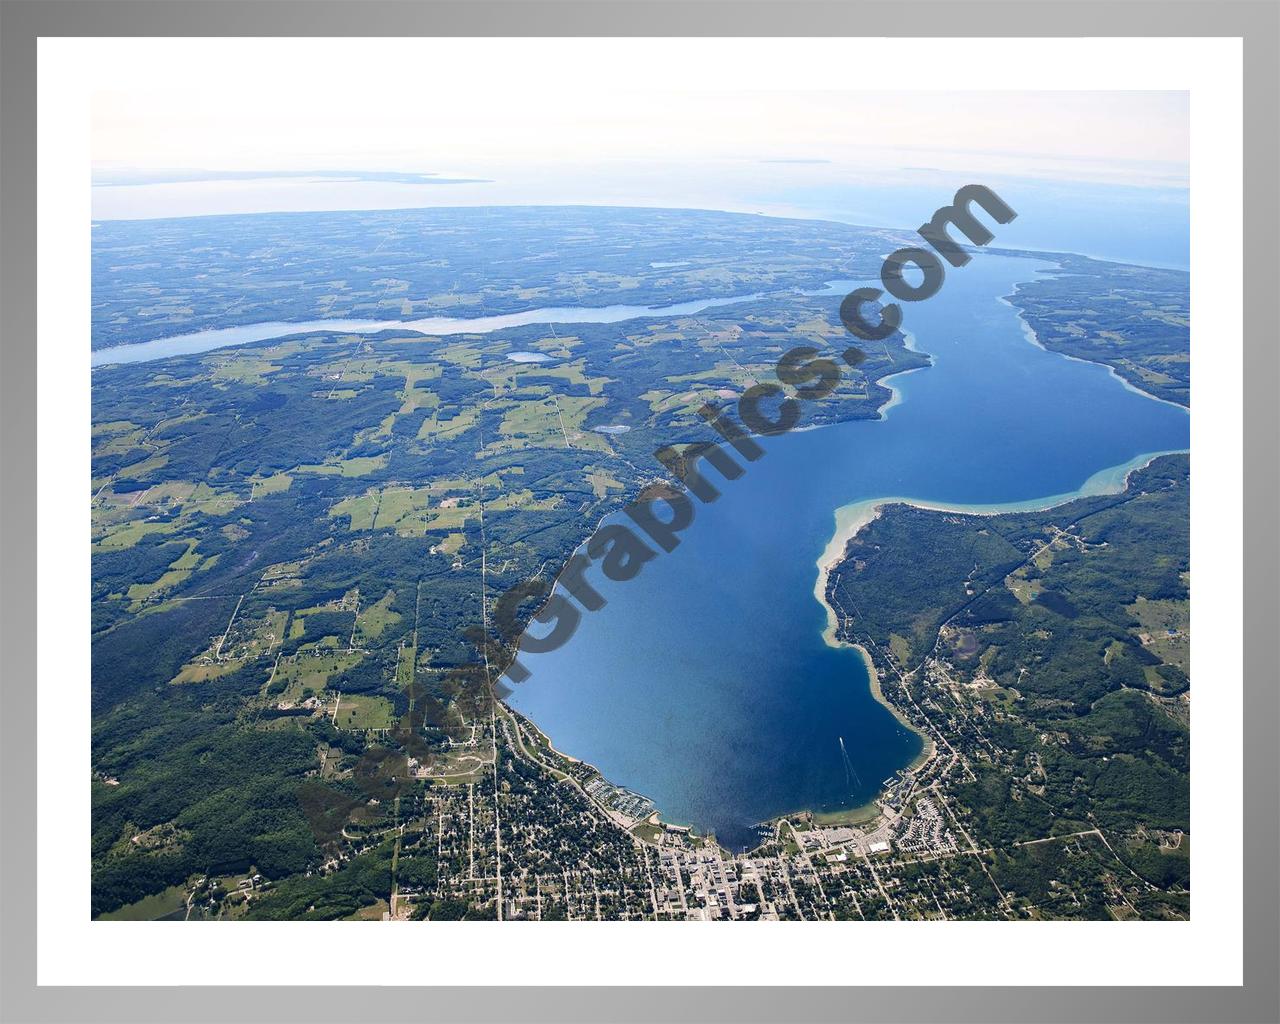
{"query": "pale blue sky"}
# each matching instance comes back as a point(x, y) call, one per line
point(683, 123)
point(1135, 137)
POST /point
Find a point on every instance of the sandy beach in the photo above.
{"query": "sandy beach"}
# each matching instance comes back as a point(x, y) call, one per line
point(852, 518)
point(928, 746)
point(849, 520)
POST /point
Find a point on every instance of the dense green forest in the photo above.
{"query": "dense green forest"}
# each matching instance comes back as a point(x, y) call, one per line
point(1137, 320)
point(1063, 636)
point(288, 536)
point(297, 544)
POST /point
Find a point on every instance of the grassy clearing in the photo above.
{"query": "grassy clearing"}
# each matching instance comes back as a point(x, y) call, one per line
point(405, 658)
point(203, 671)
point(361, 466)
point(452, 544)
point(376, 618)
point(243, 368)
point(462, 354)
point(853, 816)
point(1025, 590)
point(274, 484)
point(1164, 628)
point(411, 513)
point(900, 647)
point(373, 912)
point(601, 482)
point(403, 508)
point(312, 672)
point(572, 373)
point(551, 421)
point(360, 509)
point(126, 535)
point(179, 569)
point(446, 428)
point(360, 712)
point(151, 908)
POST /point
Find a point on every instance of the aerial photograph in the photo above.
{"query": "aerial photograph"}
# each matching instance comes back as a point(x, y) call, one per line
point(618, 504)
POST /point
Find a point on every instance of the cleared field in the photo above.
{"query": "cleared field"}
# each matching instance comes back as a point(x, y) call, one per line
point(375, 619)
point(452, 544)
point(126, 535)
point(1164, 628)
point(360, 509)
point(571, 373)
point(310, 672)
point(179, 569)
point(461, 354)
point(553, 421)
point(152, 908)
point(361, 466)
point(399, 504)
point(404, 665)
point(447, 428)
point(274, 484)
point(900, 647)
point(244, 369)
point(360, 712)
point(601, 482)
point(202, 672)
point(411, 512)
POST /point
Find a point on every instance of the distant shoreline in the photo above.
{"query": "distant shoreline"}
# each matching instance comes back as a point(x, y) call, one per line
point(1029, 333)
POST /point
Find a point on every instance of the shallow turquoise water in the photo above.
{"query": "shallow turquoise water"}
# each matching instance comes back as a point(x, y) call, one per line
point(705, 682)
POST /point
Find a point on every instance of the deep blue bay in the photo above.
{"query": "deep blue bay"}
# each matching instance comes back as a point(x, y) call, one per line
point(706, 682)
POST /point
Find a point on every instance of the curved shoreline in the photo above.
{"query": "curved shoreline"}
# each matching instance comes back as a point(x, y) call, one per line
point(1029, 333)
point(928, 746)
point(895, 393)
point(851, 519)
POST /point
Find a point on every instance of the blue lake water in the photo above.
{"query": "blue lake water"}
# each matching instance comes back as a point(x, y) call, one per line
point(226, 337)
point(706, 684)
